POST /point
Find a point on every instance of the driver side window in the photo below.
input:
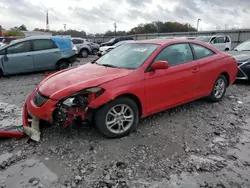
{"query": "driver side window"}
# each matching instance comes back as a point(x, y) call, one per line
point(176, 54)
point(19, 48)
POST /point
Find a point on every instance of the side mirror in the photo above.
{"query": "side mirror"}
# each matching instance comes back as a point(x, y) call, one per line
point(159, 65)
point(99, 54)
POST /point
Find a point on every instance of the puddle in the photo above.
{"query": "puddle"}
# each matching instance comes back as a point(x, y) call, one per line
point(19, 175)
point(53, 165)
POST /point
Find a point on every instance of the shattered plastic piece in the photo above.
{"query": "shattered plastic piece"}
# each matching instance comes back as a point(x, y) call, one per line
point(12, 131)
point(239, 102)
point(34, 131)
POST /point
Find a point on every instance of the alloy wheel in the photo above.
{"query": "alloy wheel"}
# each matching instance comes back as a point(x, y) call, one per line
point(119, 118)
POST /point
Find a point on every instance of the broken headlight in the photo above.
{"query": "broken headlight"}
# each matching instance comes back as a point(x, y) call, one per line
point(82, 98)
point(40, 99)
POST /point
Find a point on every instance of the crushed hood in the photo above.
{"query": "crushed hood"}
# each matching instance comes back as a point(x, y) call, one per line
point(66, 83)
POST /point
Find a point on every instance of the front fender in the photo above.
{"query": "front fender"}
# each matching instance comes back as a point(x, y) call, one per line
point(113, 93)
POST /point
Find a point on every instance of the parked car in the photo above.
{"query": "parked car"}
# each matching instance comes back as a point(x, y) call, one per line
point(2, 44)
point(36, 54)
point(113, 41)
point(7, 40)
point(104, 49)
point(222, 42)
point(242, 54)
point(85, 47)
point(130, 82)
point(188, 38)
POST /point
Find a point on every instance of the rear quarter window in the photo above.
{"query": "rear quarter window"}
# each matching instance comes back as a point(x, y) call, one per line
point(201, 51)
point(43, 44)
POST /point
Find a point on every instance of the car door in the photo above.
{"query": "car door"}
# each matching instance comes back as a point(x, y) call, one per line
point(175, 85)
point(45, 54)
point(219, 43)
point(18, 58)
point(208, 61)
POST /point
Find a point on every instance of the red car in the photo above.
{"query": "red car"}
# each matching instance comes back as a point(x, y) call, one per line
point(131, 82)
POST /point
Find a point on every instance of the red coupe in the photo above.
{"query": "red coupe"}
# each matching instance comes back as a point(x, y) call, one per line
point(130, 82)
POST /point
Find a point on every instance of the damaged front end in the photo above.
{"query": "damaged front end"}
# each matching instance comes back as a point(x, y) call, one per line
point(75, 107)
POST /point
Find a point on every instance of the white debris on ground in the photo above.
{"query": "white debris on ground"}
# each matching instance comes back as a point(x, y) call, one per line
point(10, 115)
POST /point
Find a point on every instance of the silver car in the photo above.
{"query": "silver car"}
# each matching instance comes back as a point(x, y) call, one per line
point(85, 47)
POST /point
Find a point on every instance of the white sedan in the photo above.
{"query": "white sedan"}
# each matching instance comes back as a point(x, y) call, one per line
point(105, 49)
point(2, 44)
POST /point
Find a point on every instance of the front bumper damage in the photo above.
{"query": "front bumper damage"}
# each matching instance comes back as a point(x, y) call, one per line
point(38, 108)
point(18, 131)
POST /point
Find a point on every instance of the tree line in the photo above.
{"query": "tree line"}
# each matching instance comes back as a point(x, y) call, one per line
point(153, 27)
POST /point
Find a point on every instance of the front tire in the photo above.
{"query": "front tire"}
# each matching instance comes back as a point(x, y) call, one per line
point(117, 118)
point(84, 53)
point(62, 65)
point(219, 89)
point(95, 51)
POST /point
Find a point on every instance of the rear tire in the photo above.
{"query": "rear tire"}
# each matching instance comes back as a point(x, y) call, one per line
point(95, 51)
point(62, 65)
point(84, 53)
point(219, 89)
point(117, 118)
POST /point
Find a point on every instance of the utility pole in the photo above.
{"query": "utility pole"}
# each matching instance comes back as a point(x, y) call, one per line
point(115, 28)
point(198, 21)
point(65, 25)
point(47, 20)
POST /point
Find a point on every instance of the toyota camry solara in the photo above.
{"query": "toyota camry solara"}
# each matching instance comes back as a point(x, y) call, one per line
point(131, 82)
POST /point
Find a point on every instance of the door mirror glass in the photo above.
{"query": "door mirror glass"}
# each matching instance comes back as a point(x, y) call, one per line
point(159, 65)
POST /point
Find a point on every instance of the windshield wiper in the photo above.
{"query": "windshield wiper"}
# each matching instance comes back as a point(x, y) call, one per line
point(107, 65)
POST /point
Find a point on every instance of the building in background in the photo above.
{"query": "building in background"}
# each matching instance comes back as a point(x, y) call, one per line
point(36, 33)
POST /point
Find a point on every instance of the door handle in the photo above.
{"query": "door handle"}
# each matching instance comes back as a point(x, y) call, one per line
point(195, 70)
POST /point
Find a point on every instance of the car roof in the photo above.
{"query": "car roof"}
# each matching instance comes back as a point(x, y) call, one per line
point(163, 41)
point(37, 38)
point(212, 35)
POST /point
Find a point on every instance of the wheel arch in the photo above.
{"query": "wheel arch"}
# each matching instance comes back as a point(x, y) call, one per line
point(134, 98)
point(62, 59)
point(110, 98)
point(85, 48)
point(227, 77)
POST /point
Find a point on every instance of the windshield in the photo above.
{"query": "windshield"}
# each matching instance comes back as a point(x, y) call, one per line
point(245, 46)
point(119, 43)
point(203, 38)
point(127, 56)
point(112, 40)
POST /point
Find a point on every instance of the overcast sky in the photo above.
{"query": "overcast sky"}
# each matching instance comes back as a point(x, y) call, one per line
point(97, 16)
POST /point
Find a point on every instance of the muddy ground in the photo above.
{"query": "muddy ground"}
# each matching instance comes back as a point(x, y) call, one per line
point(200, 144)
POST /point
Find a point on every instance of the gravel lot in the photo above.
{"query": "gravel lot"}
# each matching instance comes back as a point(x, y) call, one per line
point(200, 144)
